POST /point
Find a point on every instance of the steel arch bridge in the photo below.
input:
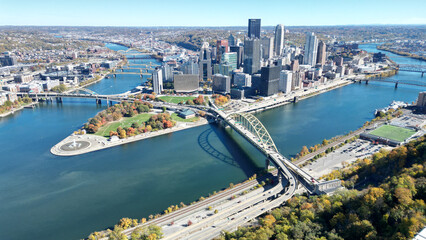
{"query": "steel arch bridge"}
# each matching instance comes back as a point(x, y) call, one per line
point(254, 126)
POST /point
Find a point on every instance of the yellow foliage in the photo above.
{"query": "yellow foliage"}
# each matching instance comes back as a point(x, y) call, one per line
point(373, 194)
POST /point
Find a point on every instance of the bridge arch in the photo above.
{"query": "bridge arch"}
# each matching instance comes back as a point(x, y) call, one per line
point(254, 126)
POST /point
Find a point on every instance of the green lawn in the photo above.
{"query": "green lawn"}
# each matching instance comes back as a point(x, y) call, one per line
point(174, 99)
point(124, 122)
point(179, 119)
point(393, 132)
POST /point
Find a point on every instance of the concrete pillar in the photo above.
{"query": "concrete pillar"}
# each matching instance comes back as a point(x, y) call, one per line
point(267, 162)
point(366, 82)
point(396, 85)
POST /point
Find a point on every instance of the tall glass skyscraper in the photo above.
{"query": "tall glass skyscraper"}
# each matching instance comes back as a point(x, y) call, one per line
point(311, 48)
point(251, 55)
point(254, 28)
point(279, 39)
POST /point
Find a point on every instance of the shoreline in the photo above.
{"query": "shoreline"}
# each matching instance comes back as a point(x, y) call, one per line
point(18, 109)
point(96, 143)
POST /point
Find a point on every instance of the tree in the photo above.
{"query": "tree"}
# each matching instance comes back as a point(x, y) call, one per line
point(122, 134)
point(116, 234)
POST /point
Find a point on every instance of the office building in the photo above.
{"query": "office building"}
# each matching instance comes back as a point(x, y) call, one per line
point(23, 78)
point(221, 48)
point(240, 54)
point(8, 60)
point(242, 80)
point(421, 101)
point(286, 78)
point(186, 83)
point(221, 84)
point(231, 40)
point(321, 53)
point(157, 80)
point(252, 55)
point(254, 28)
point(190, 67)
point(311, 48)
point(269, 80)
point(267, 47)
point(279, 40)
point(205, 62)
point(231, 59)
point(167, 70)
point(338, 60)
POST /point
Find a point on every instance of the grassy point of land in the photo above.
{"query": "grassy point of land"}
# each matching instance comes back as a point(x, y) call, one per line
point(393, 132)
point(175, 99)
point(175, 117)
point(124, 122)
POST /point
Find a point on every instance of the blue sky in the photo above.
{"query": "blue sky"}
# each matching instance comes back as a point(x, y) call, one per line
point(210, 13)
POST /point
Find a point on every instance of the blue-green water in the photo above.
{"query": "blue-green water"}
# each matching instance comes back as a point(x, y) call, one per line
point(48, 197)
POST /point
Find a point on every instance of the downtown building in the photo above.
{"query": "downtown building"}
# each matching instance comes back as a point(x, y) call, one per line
point(321, 53)
point(252, 57)
point(279, 40)
point(205, 62)
point(254, 28)
point(269, 80)
point(157, 80)
point(221, 84)
point(267, 47)
point(311, 48)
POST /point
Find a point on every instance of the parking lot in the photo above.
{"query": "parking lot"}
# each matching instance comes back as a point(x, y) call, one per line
point(342, 156)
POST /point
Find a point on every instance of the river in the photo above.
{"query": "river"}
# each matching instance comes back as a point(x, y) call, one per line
point(49, 197)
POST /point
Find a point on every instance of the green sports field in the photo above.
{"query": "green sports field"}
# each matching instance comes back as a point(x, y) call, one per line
point(173, 99)
point(124, 122)
point(393, 132)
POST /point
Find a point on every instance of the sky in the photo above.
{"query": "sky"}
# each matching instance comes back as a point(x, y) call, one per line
point(210, 13)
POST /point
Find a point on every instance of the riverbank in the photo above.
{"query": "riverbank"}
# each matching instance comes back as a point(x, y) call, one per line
point(80, 144)
point(405, 54)
point(29, 105)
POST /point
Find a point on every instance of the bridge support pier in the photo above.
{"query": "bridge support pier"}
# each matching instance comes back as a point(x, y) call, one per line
point(99, 101)
point(295, 99)
point(423, 74)
point(110, 103)
point(366, 82)
point(58, 99)
point(267, 162)
point(396, 85)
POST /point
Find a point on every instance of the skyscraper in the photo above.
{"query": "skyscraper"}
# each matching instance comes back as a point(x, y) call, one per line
point(239, 50)
point(221, 48)
point(157, 80)
point(267, 47)
point(269, 80)
point(231, 40)
point(205, 62)
point(311, 47)
point(321, 53)
point(230, 59)
point(254, 28)
point(279, 39)
point(251, 55)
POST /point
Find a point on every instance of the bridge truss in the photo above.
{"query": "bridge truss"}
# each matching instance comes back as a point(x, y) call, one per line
point(254, 126)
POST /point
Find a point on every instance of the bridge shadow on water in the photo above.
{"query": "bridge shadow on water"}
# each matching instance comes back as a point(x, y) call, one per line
point(239, 157)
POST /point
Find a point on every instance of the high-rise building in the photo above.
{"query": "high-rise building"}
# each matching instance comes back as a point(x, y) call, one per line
point(311, 47)
point(190, 67)
point(186, 83)
point(279, 40)
point(231, 40)
point(321, 53)
point(254, 28)
point(286, 78)
point(157, 80)
point(240, 54)
point(221, 48)
point(242, 80)
point(270, 78)
point(205, 62)
point(230, 59)
point(251, 55)
point(221, 83)
point(8, 60)
point(267, 47)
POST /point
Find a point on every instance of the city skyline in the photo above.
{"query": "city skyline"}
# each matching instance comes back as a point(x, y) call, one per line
point(141, 14)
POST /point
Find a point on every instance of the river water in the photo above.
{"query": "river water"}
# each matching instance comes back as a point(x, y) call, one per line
point(48, 197)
